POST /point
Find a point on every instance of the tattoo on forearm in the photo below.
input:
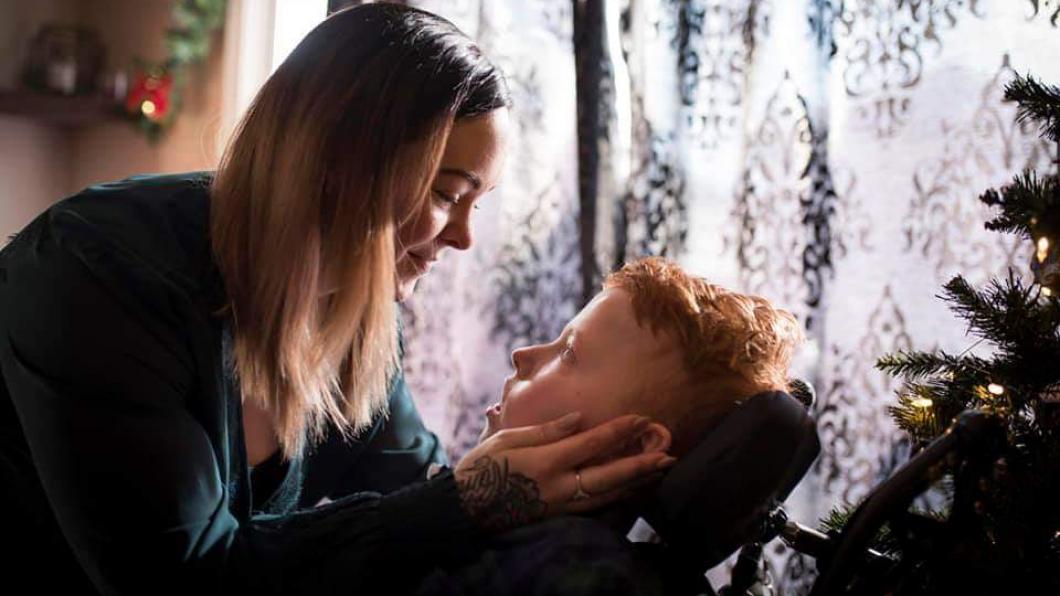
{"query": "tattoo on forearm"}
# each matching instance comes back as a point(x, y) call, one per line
point(498, 499)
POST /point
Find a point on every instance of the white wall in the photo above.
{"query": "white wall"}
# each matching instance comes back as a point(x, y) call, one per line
point(34, 159)
point(40, 164)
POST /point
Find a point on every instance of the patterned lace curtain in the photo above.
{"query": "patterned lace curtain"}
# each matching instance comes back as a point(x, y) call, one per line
point(826, 154)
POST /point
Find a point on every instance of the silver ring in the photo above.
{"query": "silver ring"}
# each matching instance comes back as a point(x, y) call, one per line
point(580, 494)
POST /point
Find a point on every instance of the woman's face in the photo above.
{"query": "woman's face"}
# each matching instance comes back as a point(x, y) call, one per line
point(471, 164)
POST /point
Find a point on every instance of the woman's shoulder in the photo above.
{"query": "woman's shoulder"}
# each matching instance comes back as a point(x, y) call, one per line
point(148, 181)
point(138, 202)
point(141, 229)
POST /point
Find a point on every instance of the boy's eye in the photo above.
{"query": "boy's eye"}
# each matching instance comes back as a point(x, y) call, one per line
point(567, 355)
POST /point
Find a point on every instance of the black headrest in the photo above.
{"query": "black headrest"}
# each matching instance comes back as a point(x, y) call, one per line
point(716, 498)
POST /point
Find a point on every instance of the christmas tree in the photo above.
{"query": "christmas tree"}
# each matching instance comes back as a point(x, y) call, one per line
point(998, 531)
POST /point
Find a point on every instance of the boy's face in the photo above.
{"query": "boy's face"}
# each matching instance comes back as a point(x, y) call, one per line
point(603, 365)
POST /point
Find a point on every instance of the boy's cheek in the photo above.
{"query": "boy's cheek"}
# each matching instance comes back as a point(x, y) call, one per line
point(520, 409)
point(537, 411)
point(542, 400)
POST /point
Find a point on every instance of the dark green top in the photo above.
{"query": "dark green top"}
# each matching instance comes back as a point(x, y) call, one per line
point(122, 458)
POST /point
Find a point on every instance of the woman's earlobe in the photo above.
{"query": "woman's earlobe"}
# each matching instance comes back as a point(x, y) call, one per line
point(655, 438)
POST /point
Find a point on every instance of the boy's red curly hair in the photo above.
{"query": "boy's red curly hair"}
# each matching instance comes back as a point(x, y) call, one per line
point(733, 345)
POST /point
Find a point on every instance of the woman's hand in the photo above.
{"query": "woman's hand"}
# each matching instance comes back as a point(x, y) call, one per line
point(522, 475)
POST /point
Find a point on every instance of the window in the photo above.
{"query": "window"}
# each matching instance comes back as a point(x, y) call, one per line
point(259, 34)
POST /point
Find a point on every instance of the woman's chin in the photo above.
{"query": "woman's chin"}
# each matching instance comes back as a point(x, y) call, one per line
point(405, 288)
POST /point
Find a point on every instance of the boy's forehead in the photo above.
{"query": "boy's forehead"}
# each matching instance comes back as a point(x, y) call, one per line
point(611, 309)
point(633, 353)
point(610, 318)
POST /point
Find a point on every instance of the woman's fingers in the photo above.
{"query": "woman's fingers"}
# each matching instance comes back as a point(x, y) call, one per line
point(548, 460)
point(598, 498)
point(539, 434)
point(626, 473)
point(575, 450)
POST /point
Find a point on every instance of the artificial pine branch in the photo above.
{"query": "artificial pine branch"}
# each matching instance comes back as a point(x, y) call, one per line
point(945, 400)
point(1038, 102)
point(885, 541)
point(921, 422)
point(837, 519)
point(916, 365)
point(975, 306)
point(1005, 312)
point(1029, 206)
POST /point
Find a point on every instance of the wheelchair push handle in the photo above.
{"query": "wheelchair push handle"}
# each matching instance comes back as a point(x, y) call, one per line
point(975, 436)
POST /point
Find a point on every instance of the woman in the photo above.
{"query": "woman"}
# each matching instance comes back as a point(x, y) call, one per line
point(174, 348)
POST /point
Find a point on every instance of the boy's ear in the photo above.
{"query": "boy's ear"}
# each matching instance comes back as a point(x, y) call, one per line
point(655, 438)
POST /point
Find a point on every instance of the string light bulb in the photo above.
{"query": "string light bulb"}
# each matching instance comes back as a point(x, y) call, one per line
point(995, 389)
point(147, 107)
point(921, 402)
point(1047, 292)
point(1043, 249)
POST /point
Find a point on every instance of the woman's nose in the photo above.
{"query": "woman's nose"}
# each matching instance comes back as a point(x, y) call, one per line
point(457, 231)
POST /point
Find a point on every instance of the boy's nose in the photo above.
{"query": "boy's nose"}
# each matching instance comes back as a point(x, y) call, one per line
point(519, 361)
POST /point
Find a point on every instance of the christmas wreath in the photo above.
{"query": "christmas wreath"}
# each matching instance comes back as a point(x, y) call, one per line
point(154, 95)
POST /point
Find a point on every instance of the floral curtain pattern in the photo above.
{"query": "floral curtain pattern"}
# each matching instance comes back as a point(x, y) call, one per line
point(823, 153)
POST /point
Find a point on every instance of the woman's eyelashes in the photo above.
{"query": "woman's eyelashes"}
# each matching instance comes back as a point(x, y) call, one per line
point(446, 198)
point(450, 199)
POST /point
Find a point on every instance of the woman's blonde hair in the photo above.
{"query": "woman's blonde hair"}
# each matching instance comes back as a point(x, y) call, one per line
point(336, 152)
point(733, 345)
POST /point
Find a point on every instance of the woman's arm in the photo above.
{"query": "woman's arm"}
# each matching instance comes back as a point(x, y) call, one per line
point(103, 381)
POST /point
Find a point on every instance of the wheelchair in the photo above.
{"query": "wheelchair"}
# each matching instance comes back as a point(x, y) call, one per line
point(726, 495)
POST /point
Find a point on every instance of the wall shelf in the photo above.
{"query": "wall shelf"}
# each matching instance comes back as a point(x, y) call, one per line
point(68, 111)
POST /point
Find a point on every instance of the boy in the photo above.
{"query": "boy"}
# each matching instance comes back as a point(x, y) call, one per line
point(656, 342)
